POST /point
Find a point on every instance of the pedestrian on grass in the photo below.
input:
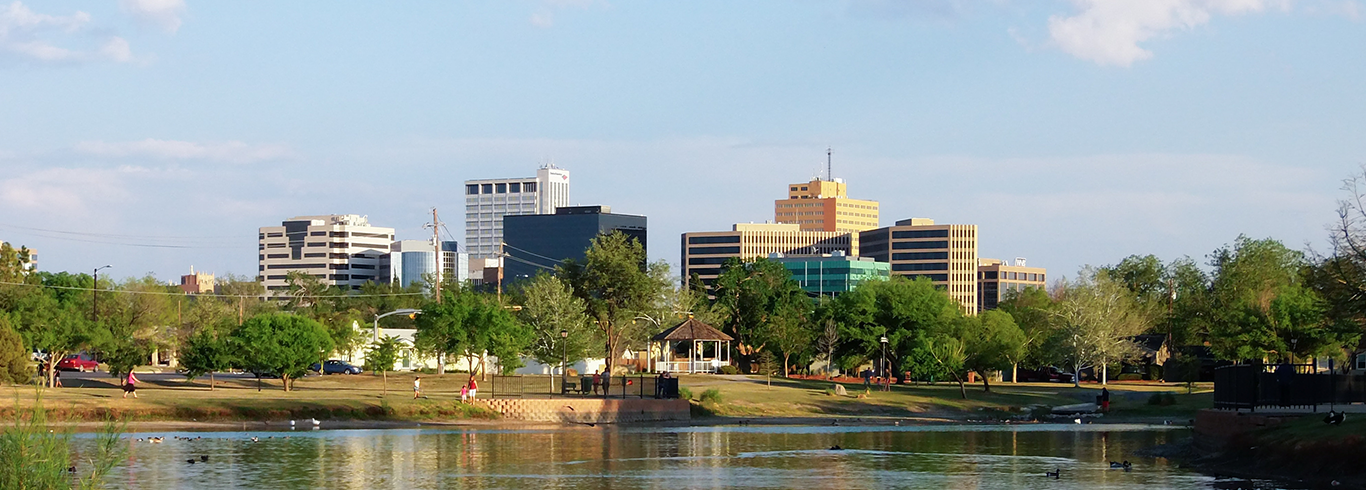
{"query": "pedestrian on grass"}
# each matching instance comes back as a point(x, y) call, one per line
point(597, 380)
point(867, 378)
point(474, 388)
point(464, 393)
point(1105, 399)
point(130, 385)
point(57, 379)
point(417, 387)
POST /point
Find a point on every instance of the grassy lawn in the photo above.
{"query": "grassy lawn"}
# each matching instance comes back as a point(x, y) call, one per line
point(752, 396)
point(360, 397)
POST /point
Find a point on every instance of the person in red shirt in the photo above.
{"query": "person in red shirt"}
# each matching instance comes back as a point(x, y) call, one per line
point(474, 387)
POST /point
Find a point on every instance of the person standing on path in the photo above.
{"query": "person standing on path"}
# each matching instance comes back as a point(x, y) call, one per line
point(417, 387)
point(1105, 399)
point(597, 381)
point(130, 385)
point(474, 388)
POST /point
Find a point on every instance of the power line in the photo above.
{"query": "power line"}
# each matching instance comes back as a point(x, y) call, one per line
point(552, 259)
point(114, 235)
point(528, 262)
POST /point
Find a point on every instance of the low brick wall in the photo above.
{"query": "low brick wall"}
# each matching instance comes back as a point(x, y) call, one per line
point(589, 410)
point(1215, 427)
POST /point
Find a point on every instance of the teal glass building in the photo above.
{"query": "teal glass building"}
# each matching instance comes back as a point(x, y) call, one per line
point(832, 274)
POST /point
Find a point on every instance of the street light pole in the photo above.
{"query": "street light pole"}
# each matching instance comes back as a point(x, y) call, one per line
point(885, 372)
point(564, 360)
point(95, 299)
point(400, 311)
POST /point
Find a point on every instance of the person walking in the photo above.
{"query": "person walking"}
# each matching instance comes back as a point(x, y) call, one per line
point(130, 385)
point(597, 380)
point(1105, 399)
point(417, 387)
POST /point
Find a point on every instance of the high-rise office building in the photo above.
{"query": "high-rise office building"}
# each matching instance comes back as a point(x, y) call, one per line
point(704, 252)
point(416, 261)
point(995, 279)
point(540, 242)
point(340, 249)
point(832, 274)
point(488, 200)
point(916, 247)
point(824, 205)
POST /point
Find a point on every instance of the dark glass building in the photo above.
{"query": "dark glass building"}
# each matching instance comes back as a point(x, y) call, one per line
point(536, 242)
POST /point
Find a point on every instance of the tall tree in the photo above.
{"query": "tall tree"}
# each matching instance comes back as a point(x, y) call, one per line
point(280, 343)
point(14, 358)
point(751, 296)
point(207, 352)
point(616, 284)
point(1030, 308)
point(992, 341)
point(789, 331)
point(549, 307)
point(903, 310)
point(1096, 317)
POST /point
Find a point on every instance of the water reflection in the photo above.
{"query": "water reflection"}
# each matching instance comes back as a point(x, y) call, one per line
point(949, 457)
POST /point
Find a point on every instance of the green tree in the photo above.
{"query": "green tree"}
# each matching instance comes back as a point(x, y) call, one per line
point(442, 327)
point(616, 284)
point(1031, 308)
point(751, 296)
point(903, 310)
point(14, 357)
point(789, 331)
point(207, 352)
point(53, 327)
point(947, 355)
point(1096, 318)
point(280, 343)
point(549, 307)
point(991, 341)
point(1264, 309)
point(381, 357)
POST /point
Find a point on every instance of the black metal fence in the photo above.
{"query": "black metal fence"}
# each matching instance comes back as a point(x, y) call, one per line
point(638, 386)
point(1284, 385)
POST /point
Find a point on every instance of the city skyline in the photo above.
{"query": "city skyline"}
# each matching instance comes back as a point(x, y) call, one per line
point(156, 136)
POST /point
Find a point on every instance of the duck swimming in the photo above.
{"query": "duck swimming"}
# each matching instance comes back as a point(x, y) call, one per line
point(1055, 474)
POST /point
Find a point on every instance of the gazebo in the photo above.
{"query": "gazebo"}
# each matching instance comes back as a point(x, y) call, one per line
point(692, 347)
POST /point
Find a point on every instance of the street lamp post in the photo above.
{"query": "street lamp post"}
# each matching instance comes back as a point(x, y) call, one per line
point(564, 360)
point(886, 385)
point(95, 300)
point(400, 311)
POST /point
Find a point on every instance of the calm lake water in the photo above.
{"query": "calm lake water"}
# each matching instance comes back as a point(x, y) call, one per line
point(939, 457)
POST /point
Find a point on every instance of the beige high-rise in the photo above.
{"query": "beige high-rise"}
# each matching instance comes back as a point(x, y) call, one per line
point(944, 254)
point(824, 205)
point(340, 249)
point(995, 279)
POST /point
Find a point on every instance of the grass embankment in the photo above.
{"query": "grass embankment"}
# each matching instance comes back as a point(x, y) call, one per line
point(1305, 449)
point(751, 396)
point(357, 397)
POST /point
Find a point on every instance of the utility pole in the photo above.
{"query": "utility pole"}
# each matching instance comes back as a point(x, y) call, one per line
point(500, 272)
point(436, 249)
point(95, 296)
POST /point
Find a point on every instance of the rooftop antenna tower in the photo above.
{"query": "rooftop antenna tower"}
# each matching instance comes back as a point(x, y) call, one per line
point(829, 175)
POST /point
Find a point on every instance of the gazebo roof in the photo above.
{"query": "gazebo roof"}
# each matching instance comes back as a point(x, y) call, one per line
point(691, 329)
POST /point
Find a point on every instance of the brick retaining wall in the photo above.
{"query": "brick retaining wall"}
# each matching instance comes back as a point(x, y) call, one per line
point(590, 410)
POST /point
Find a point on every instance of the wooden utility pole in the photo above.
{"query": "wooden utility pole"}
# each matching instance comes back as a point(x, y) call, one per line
point(436, 248)
point(500, 272)
point(241, 308)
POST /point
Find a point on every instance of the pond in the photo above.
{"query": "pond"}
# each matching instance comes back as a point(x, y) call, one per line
point(778, 457)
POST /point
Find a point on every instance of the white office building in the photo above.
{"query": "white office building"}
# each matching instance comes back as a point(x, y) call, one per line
point(341, 249)
point(488, 200)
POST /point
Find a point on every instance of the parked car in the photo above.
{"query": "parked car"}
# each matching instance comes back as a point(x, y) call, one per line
point(78, 362)
point(1046, 374)
point(335, 366)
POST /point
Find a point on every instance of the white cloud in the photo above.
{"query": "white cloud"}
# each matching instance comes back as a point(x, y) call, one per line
point(230, 151)
point(544, 16)
point(65, 191)
point(34, 36)
point(1108, 32)
point(165, 14)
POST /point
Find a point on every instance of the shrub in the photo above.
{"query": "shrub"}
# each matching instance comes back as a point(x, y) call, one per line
point(730, 370)
point(712, 395)
point(1162, 399)
point(684, 393)
point(1130, 377)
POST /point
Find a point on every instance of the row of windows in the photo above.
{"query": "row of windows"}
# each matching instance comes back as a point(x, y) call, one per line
point(1014, 276)
point(707, 260)
point(699, 240)
point(500, 188)
point(920, 255)
point(921, 234)
point(713, 250)
point(919, 245)
point(932, 266)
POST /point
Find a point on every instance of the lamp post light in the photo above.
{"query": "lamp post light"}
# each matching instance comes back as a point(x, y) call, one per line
point(886, 385)
point(564, 360)
point(95, 299)
point(401, 311)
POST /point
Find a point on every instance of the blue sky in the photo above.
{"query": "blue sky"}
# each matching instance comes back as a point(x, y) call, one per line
point(1073, 132)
